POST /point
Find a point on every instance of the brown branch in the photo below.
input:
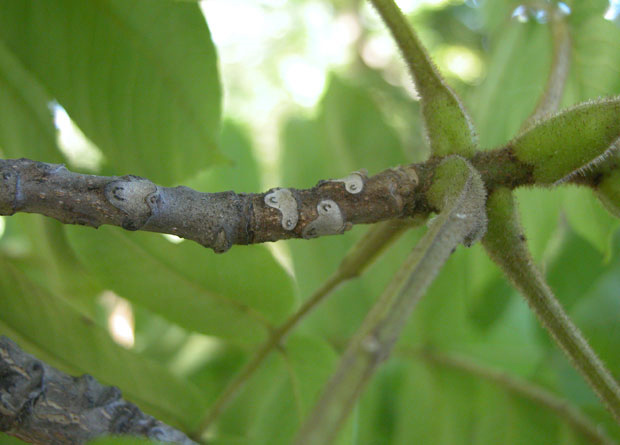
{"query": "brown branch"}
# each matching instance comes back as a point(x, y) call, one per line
point(219, 220)
point(215, 220)
point(41, 405)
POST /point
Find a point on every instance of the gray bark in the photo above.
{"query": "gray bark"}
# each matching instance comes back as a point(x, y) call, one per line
point(41, 405)
point(215, 220)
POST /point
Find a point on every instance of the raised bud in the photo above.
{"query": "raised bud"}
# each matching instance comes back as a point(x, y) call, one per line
point(571, 140)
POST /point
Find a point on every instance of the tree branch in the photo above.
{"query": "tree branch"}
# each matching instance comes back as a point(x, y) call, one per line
point(219, 220)
point(41, 405)
point(215, 220)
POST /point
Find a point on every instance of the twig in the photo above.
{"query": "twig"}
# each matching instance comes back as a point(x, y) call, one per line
point(215, 220)
point(549, 101)
point(450, 129)
point(42, 405)
point(219, 220)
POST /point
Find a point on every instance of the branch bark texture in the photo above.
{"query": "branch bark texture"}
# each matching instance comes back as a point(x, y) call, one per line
point(219, 220)
point(41, 405)
point(215, 220)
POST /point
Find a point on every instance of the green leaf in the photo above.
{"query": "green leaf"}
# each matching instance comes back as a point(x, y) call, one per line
point(589, 219)
point(489, 304)
point(507, 95)
point(309, 361)
point(39, 248)
point(242, 175)
point(595, 312)
point(139, 78)
point(49, 328)
point(353, 131)
point(415, 401)
point(598, 316)
point(608, 191)
point(8, 440)
point(235, 425)
point(541, 211)
point(575, 270)
point(26, 124)
point(441, 317)
point(511, 343)
point(234, 296)
point(596, 55)
point(379, 411)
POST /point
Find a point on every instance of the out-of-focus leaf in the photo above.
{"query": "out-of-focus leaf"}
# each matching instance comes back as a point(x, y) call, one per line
point(575, 270)
point(378, 409)
point(8, 440)
point(399, 110)
point(495, 14)
point(242, 176)
point(139, 78)
point(26, 124)
point(608, 192)
point(355, 133)
point(73, 280)
point(512, 342)
point(518, 64)
point(39, 249)
point(49, 328)
point(540, 211)
point(308, 362)
point(596, 56)
point(235, 425)
point(589, 219)
point(488, 305)
point(597, 315)
point(440, 317)
point(230, 296)
point(420, 402)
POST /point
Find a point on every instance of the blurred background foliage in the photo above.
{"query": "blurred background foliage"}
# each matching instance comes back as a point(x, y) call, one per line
point(311, 89)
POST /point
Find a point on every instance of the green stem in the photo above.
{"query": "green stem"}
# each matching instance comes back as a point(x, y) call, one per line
point(549, 101)
point(563, 408)
point(460, 190)
point(418, 61)
point(361, 255)
point(506, 244)
point(450, 129)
